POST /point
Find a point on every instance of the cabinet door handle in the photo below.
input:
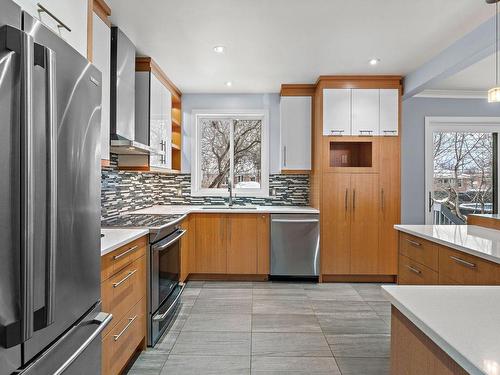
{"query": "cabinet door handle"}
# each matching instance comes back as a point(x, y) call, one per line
point(463, 262)
point(284, 156)
point(130, 321)
point(413, 269)
point(117, 284)
point(345, 200)
point(382, 198)
point(414, 243)
point(339, 131)
point(42, 9)
point(367, 132)
point(353, 200)
point(116, 257)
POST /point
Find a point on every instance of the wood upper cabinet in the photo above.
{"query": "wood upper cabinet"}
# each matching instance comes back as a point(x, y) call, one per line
point(210, 243)
point(365, 112)
point(337, 112)
point(336, 224)
point(242, 244)
point(295, 124)
point(390, 206)
point(364, 224)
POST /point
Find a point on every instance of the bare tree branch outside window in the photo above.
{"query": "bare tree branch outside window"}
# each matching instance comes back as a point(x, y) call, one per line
point(216, 152)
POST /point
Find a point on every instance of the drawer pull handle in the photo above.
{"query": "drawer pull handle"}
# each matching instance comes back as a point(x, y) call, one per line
point(124, 279)
point(413, 269)
point(463, 262)
point(130, 321)
point(414, 243)
point(116, 257)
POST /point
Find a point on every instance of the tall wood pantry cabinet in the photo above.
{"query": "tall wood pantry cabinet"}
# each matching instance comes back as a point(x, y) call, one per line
point(356, 169)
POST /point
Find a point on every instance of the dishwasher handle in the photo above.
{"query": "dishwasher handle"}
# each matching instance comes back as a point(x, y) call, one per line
point(295, 220)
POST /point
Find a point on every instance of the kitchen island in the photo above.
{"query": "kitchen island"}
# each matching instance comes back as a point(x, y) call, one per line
point(445, 329)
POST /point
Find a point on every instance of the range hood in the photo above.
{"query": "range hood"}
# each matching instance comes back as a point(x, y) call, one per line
point(122, 97)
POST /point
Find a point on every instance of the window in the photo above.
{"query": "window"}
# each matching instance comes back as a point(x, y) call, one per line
point(461, 168)
point(230, 147)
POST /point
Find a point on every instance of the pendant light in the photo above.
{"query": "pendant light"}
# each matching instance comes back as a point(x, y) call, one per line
point(494, 93)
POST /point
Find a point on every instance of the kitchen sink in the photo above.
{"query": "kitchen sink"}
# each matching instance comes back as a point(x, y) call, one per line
point(225, 207)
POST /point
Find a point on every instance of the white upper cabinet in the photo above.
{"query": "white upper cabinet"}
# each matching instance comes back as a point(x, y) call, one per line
point(337, 112)
point(295, 120)
point(71, 13)
point(365, 112)
point(389, 113)
point(101, 56)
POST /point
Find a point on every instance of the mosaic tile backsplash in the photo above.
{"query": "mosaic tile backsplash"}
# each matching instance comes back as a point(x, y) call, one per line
point(123, 191)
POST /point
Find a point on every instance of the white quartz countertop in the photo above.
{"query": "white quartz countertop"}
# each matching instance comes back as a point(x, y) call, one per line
point(182, 210)
point(117, 237)
point(478, 241)
point(464, 321)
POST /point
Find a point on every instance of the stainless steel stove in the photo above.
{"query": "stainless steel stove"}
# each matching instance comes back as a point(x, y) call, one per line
point(164, 288)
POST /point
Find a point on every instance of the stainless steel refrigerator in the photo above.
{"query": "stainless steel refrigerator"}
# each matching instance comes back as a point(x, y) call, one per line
point(50, 98)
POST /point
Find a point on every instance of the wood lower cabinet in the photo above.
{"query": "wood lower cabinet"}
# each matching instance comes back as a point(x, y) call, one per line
point(349, 224)
point(242, 244)
point(123, 293)
point(427, 263)
point(210, 243)
point(229, 244)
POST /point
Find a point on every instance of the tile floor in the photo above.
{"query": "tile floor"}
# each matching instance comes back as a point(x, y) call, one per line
point(266, 328)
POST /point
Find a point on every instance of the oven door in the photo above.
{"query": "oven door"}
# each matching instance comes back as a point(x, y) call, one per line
point(165, 268)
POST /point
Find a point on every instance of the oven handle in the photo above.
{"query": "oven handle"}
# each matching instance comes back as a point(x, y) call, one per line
point(160, 317)
point(181, 232)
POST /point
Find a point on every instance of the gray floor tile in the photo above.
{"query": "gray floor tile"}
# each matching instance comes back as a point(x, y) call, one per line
point(228, 284)
point(220, 293)
point(218, 323)
point(274, 306)
point(365, 366)
point(280, 294)
point(353, 323)
point(290, 345)
point(213, 343)
point(360, 345)
point(285, 323)
point(222, 306)
point(167, 341)
point(294, 365)
point(336, 292)
point(370, 292)
point(333, 307)
point(178, 322)
point(279, 285)
point(191, 292)
point(149, 362)
point(206, 365)
point(195, 284)
point(381, 308)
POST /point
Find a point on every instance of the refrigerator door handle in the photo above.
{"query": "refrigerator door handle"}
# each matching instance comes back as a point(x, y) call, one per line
point(103, 320)
point(46, 58)
point(19, 42)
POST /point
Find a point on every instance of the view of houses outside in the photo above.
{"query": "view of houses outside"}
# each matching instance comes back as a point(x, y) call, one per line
point(216, 152)
point(463, 174)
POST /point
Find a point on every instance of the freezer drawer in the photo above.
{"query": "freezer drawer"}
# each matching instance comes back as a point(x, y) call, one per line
point(295, 245)
point(78, 351)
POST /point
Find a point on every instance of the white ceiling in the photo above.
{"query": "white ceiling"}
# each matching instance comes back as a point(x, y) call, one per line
point(270, 42)
point(477, 77)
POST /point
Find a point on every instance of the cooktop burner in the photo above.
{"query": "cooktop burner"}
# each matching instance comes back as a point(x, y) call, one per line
point(140, 221)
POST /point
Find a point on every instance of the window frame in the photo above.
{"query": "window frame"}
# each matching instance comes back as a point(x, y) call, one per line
point(196, 174)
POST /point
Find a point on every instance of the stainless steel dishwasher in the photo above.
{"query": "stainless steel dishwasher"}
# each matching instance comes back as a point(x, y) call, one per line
point(295, 245)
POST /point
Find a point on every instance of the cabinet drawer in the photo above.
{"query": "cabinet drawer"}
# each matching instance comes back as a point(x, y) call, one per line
point(466, 269)
point(413, 273)
point(121, 257)
point(419, 250)
point(123, 290)
point(121, 342)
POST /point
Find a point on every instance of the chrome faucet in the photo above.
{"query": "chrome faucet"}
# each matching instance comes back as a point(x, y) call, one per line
point(230, 189)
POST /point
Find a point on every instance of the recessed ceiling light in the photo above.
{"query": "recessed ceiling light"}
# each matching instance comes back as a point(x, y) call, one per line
point(219, 49)
point(374, 61)
point(229, 83)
